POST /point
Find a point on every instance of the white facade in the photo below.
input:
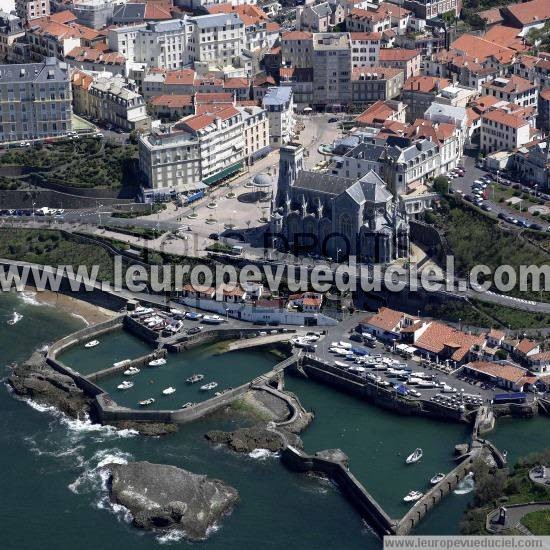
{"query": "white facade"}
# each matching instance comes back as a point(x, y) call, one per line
point(279, 104)
point(501, 131)
point(255, 129)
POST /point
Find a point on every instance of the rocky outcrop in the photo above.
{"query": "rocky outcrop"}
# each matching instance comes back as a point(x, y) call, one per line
point(38, 381)
point(166, 497)
point(152, 429)
point(261, 436)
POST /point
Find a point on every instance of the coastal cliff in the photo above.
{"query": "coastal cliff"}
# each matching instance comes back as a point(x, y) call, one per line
point(165, 497)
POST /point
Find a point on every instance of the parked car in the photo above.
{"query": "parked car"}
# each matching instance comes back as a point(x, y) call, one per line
point(214, 236)
point(194, 330)
point(486, 207)
point(333, 119)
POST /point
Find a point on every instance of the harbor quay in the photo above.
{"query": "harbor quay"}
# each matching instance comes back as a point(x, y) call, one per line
point(332, 463)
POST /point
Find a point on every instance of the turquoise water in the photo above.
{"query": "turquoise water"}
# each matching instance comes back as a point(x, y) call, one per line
point(52, 495)
point(229, 370)
point(113, 346)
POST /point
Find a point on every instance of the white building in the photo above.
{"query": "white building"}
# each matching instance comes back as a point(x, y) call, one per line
point(217, 39)
point(256, 133)
point(279, 104)
point(160, 44)
point(502, 131)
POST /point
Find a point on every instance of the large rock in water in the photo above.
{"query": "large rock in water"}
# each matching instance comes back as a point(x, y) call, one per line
point(37, 380)
point(166, 497)
point(261, 436)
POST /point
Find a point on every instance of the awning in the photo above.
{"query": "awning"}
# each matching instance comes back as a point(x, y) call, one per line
point(261, 153)
point(222, 174)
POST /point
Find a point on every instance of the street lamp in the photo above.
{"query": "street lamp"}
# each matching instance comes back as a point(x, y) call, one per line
point(338, 250)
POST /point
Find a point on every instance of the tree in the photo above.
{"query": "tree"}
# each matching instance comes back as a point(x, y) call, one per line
point(441, 185)
point(501, 354)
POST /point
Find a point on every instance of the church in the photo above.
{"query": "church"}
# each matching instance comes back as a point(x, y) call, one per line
point(335, 216)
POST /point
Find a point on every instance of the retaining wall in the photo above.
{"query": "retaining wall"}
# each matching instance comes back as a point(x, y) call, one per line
point(348, 483)
point(138, 362)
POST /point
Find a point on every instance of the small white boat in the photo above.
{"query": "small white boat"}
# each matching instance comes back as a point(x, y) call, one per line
point(413, 496)
point(121, 363)
point(209, 386)
point(437, 478)
point(341, 364)
point(131, 371)
point(146, 402)
point(157, 362)
point(91, 344)
point(213, 319)
point(195, 378)
point(414, 456)
point(169, 390)
point(126, 385)
point(345, 345)
point(187, 405)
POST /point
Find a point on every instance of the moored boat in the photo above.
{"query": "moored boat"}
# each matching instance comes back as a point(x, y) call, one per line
point(146, 402)
point(413, 496)
point(131, 371)
point(157, 362)
point(169, 390)
point(415, 456)
point(91, 344)
point(437, 478)
point(195, 378)
point(126, 385)
point(209, 386)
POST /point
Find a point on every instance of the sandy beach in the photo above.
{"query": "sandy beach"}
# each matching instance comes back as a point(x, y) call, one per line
point(89, 313)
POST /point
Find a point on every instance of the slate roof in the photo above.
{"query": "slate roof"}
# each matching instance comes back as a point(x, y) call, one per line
point(324, 183)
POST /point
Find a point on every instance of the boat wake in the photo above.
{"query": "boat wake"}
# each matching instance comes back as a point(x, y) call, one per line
point(29, 298)
point(467, 485)
point(15, 318)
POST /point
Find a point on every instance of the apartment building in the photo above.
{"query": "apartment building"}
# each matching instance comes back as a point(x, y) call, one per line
point(217, 39)
point(513, 89)
point(361, 20)
point(297, 49)
point(95, 14)
point(419, 92)
point(430, 9)
point(503, 131)
point(170, 160)
point(35, 100)
point(110, 99)
point(27, 10)
point(159, 44)
point(399, 58)
point(279, 105)
point(365, 49)
point(256, 133)
point(332, 70)
point(11, 28)
point(375, 84)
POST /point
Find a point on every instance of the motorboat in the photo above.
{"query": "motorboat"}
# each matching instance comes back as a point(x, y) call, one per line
point(157, 362)
point(195, 378)
point(345, 345)
point(209, 386)
point(342, 365)
point(131, 371)
point(121, 363)
point(146, 402)
point(126, 385)
point(169, 390)
point(415, 456)
point(212, 319)
point(437, 478)
point(413, 496)
point(91, 344)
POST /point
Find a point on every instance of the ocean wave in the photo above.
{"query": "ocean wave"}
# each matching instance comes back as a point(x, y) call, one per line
point(262, 454)
point(15, 318)
point(170, 537)
point(83, 319)
point(29, 297)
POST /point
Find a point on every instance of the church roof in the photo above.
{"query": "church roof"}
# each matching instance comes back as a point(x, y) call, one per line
point(323, 183)
point(370, 188)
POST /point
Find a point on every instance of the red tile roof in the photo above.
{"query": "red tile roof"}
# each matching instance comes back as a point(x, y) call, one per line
point(297, 35)
point(378, 112)
point(425, 84)
point(481, 49)
point(526, 345)
point(200, 121)
point(386, 319)
point(529, 13)
point(507, 119)
point(505, 371)
point(172, 101)
point(372, 36)
point(398, 54)
point(506, 36)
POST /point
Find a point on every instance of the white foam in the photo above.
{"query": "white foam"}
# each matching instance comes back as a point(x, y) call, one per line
point(83, 319)
point(15, 318)
point(29, 298)
point(262, 454)
point(170, 537)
